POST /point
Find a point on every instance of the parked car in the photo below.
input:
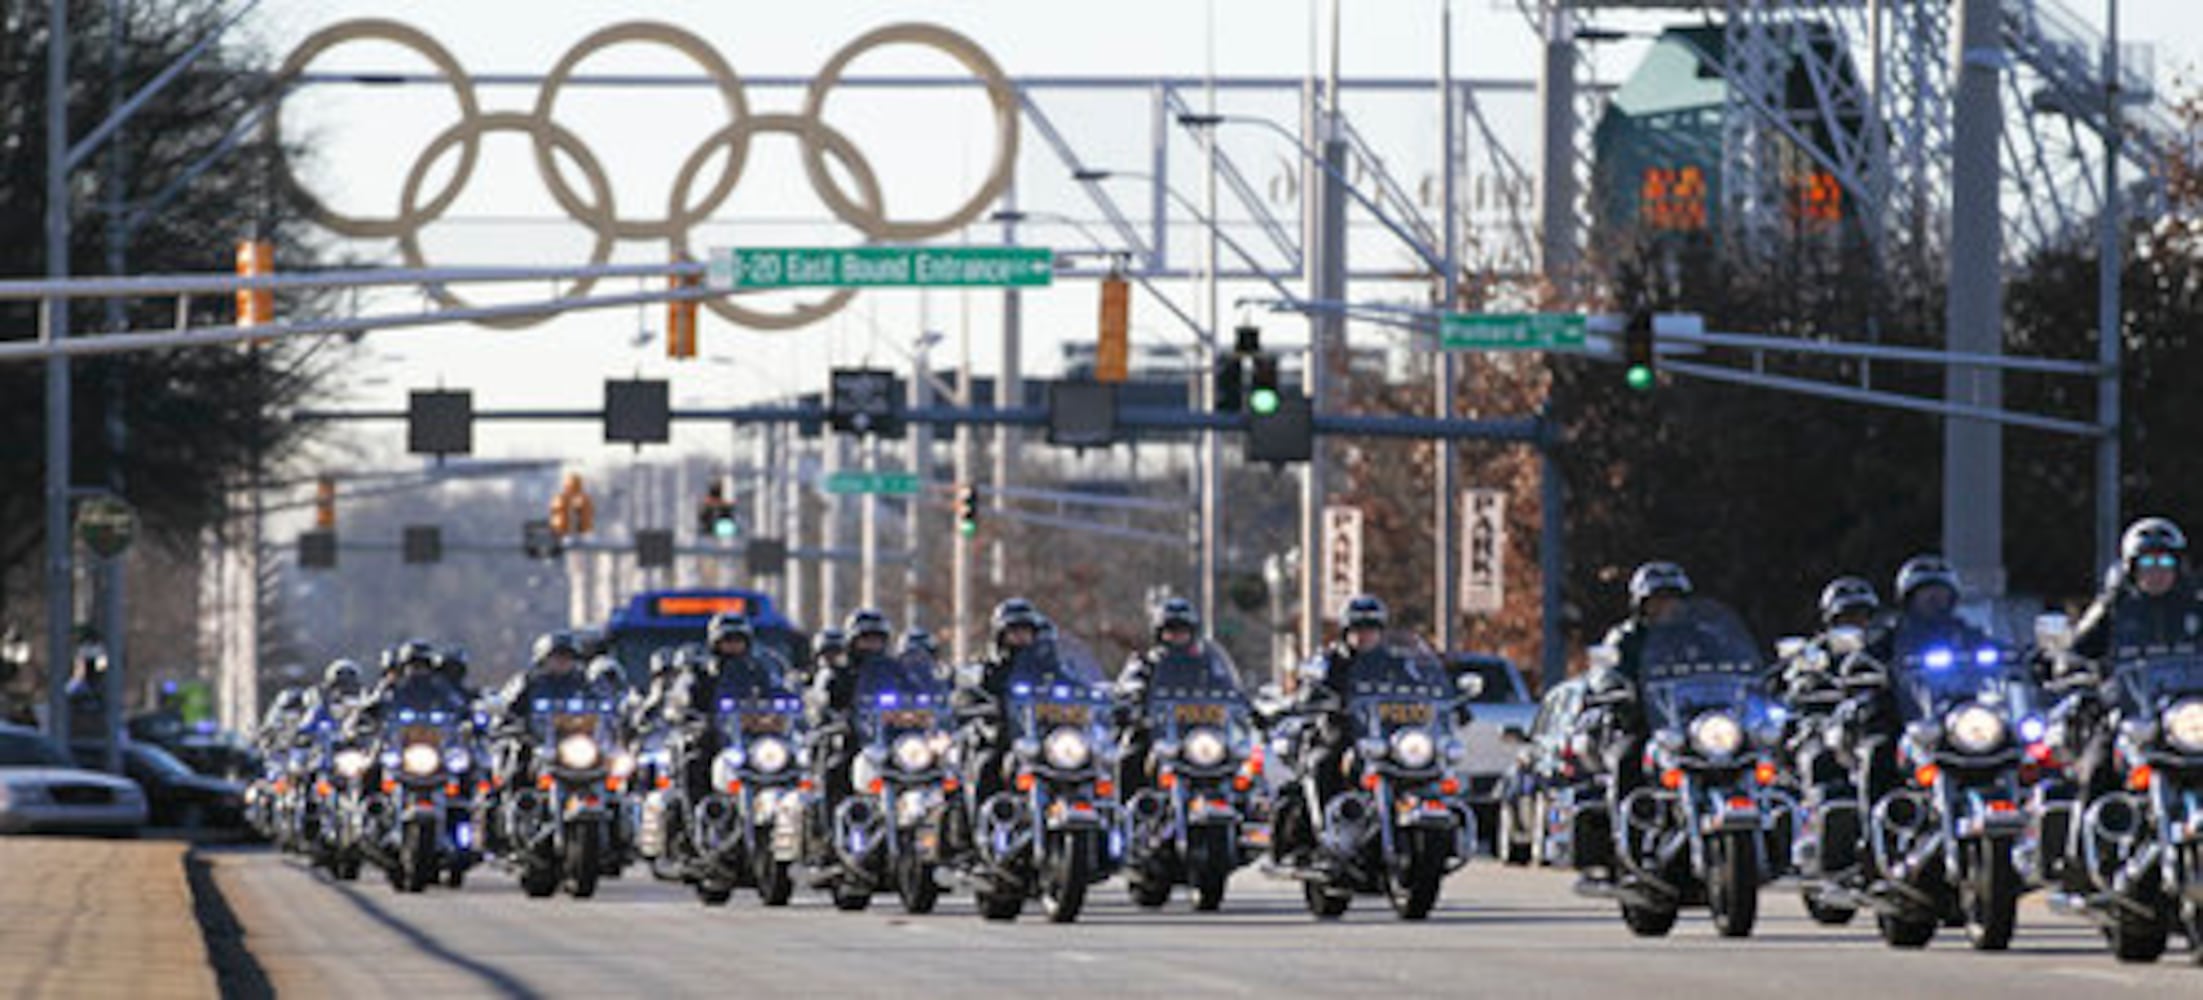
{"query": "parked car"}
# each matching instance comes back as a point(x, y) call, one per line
point(216, 753)
point(1503, 703)
point(176, 796)
point(1543, 767)
point(42, 791)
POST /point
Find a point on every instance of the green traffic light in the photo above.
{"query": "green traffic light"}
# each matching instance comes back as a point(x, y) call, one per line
point(725, 528)
point(1640, 377)
point(967, 528)
point(1263, 402)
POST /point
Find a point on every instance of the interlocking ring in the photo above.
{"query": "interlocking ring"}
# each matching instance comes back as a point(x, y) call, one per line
point(866, 212)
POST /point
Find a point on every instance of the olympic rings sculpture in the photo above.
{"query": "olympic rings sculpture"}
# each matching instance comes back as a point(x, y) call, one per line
point(865, 210)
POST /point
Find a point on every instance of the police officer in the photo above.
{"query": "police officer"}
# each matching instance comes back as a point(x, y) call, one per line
point(1325, 684)
point(1926, 615)
point(1175, 628)
point(830, 648)
point(1015, 624)
point(1809, 684)
point(416, 683)
point(452, 662)
point(1658, 594)
point(2151, 599)
point(833, 701)
point(730, 668)
point(554, 674)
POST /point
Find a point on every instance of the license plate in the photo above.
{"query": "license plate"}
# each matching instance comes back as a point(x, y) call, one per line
point(1201, 715)
point(420, 734)
point(574, 725)
point(1063, 715)
point(1406, 713)
point(908, 718)
point(764, 723)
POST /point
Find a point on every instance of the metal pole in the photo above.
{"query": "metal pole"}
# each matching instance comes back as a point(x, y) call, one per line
point(1973, 450)
point(794, 576)
point(59, 592)
point(1556, 182)
point(1444, 530)
point(2108, 333)
point(114, 622)
point(830, 597)
point(921, 465)
point(1212, 441)
point(1009, 385)
point(868, 531)
point(1552, 563)
point(960, 568)
point(1328, 284)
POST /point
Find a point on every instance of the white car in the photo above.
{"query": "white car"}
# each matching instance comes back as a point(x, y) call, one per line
point(42, 791)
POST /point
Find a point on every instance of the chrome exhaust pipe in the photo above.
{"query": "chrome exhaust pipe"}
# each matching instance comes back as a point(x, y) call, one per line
point(2111, 826)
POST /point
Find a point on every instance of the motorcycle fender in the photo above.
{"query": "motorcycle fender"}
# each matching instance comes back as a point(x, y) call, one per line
point(1211, 812)
point(1723, 814)
point(787, 829)
point(1984, 818)
point(1428, 814)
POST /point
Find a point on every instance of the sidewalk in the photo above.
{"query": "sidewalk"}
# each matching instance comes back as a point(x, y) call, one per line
point(99, 918)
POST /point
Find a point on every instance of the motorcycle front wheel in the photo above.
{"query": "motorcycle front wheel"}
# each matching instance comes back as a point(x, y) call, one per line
point(1070, 868)
point(914, 883)
point(1325, 902)
point(1212, 854)
point(584, 850)
point(1732, 883)
point(417, 857)
point(1648, 921)
point(1414, 885)
point(774, 882)
point(1990, 894)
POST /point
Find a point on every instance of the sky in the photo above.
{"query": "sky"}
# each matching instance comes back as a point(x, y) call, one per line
point(930, 148)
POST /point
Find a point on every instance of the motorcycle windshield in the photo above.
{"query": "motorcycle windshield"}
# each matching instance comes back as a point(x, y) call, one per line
point(762, 675)
point(2151, 679)
point(1057, 683)
point(1932, 677)
point(1398, 685)
point(1701, 659)
point(742, 719)
point(899, 694)
point(1196, 687)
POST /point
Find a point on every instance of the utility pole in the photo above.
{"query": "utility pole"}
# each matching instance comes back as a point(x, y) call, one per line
point(1444, 531)
point(868, 530)
point(921, 465)
point(2109, 264)
point(1009, 387)
point(830, 596)
point(114, 622)
point(960, 568)
point(1973, 450)
point(1211, 464)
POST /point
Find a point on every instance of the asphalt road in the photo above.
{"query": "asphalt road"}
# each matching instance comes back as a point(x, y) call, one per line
point(1499, 932)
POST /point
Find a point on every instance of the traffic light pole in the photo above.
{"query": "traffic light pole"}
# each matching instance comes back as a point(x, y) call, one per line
point(1445, 532)
point(60, 594)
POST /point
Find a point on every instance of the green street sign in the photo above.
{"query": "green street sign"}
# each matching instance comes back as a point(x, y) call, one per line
point(1511, 331)
point(743, 268)
point(901, 484)
point(106, 525)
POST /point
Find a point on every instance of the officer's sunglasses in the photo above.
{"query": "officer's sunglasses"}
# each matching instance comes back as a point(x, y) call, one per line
point(2158, 562)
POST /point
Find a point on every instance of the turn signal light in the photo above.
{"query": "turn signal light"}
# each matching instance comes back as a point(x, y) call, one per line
point(876, 785)
point(1764, 772)
point(2138, 780)
point(1167, 779)
point(1369, 781)
point(950, 784)
point(1672, 778)
point(322, 789)
point(1025, 781)
point(1926, 775)
point(451, 789)
point(805, 785)
point(1241, 783)
point(544, 782)
point(663, 783)
point(1105, 788)
point(1449, 786)
point(734, 786)
point(614, 782)
point(389, 786)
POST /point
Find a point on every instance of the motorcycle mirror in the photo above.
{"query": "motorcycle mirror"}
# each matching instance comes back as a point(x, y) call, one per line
point(1604, 656)
point(1789, 647)
point(2054, 632)
point(1470, 685)
point(1845, 640)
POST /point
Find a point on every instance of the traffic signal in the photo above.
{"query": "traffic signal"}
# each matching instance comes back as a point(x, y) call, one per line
point(255, 259)
point(1286, 433)
point(1112, 348)
point(325, 504)
point(538, 540)
point(680, 320)
point(715, 516)
point(1638, 351)
point(317, 549)
point(572, 512)
point(424, 544)
point(1263, 397)
point(967, 510)
point(1231, 384)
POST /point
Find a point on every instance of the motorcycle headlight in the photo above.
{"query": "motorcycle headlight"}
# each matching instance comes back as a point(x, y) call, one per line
point(770, 756)
point(1414, 749)
point(623, 763)
point(2183, 726)
point(1067, 749)
point(1974, 729)
point(578, 752)
point(1717, 734)
point(351, 763)
point(458, 759)
point(420, 759)
point(1205, 747)
point(913, 753)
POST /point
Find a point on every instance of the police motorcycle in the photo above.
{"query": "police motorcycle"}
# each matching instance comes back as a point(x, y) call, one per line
point(1056, 828)
point(724, 842)
point(1696, 832)
point(1940, 840)
point(1826, 824)
point(559, 827)
point(886, 834)
point(1401, 824)
point(424, 830)
point(2141, 841)
point(1204, 771)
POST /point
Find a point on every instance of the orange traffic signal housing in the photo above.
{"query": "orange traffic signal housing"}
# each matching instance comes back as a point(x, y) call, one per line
point(680, 321)
point(1112, 348)
point(255, 259)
